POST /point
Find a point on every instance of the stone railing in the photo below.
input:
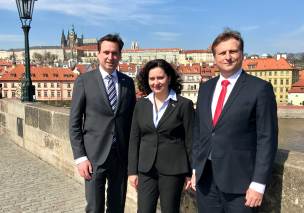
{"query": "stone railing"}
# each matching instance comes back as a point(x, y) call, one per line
point(43, 131)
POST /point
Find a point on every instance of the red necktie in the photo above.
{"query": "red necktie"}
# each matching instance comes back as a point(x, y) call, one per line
point(220, 101)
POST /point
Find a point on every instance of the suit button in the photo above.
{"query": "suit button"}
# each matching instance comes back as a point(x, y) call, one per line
point(213, 133)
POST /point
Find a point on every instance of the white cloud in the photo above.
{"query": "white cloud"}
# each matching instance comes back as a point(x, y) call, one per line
point(167, 36)
point(8, 5)
point(94, 11)
point(296, 32)
point(11, 38)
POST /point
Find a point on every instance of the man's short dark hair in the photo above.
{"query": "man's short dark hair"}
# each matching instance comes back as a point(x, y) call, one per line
point(226, 35)
point(113, 38)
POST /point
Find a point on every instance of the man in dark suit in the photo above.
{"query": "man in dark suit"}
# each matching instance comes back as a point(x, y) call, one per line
point(235, 133)
point(100, 119)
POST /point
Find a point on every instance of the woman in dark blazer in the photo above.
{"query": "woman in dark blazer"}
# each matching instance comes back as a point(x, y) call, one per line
point(160, 139)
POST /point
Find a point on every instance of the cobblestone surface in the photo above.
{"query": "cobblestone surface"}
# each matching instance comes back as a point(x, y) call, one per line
point(28, 184)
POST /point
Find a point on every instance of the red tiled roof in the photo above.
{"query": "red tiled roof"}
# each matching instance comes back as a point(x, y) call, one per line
point(296, 90)
point(5, 63)
point(152, 49)
point(297, 87)
point(205, 71)
point(125, 67)
point(92, 47)
point(266, 64)
point(299, 83)
point(40, 74)
point(195, 51)
point(81, 68)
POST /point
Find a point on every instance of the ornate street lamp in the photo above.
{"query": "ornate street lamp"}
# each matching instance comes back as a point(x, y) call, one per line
point(25, 10)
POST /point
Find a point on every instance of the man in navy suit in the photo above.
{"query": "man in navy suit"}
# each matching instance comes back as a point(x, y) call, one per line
point(235, 133)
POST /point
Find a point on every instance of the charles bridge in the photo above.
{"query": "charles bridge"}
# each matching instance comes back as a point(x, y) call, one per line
point(38, 172)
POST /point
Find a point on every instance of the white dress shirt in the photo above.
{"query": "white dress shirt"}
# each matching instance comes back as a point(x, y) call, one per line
point(157, 115)
point(104, 75)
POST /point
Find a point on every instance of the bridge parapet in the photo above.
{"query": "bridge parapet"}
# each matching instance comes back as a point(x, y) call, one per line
point(43, 131)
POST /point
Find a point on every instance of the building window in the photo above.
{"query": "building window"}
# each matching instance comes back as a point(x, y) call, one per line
point(275, 82)
point(52, 85)
point(287, 81)
point(281, 89)
point(69, 93)
point(13, 94)
point(69, 85)
point(58, 85)
point(52, 93)
point(45, 93)
point(251, 66)
point(13, 85)
point(5, 94)
point(282, 81)
point(5, 85)
point(39, 85)
point(44, 85)
point(58, 94)
point(39, 93)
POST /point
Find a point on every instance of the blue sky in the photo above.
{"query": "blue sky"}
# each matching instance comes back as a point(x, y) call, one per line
point(268, 26)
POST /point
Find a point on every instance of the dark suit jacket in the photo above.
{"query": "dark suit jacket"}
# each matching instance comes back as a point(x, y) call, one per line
point(168, 146)
point(92, 121)
point(244, 141)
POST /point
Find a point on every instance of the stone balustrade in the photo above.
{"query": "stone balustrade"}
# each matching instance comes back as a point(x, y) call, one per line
point(43, 131)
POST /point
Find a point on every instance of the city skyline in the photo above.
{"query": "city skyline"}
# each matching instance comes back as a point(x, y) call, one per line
point(266, 26)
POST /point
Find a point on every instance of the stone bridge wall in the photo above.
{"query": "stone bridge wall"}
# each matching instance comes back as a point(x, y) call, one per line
point(43, 131)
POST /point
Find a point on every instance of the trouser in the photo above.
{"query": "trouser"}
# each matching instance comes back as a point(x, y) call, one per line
point(211, 199)
point(152, 185)
point(115, 174)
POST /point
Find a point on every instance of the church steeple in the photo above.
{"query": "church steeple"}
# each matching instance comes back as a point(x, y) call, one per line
point(63, 40)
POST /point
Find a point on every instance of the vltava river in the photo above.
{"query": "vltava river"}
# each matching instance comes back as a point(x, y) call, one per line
point(291, 134)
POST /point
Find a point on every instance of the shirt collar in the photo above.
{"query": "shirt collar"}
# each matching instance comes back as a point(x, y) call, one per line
point(104, 73)
point(233, 78)
point(172, 95)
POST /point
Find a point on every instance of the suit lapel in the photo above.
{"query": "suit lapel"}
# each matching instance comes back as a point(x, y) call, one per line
point(122, 89)
point(210, 97)
point(234, 93)
point(172, 105)
point(102, 89)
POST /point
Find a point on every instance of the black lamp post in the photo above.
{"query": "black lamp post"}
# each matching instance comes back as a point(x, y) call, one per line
point(25, 10)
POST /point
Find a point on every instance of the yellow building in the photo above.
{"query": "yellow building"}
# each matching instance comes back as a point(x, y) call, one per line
point(277, 71)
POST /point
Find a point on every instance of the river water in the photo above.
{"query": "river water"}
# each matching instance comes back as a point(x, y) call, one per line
point(291, 134)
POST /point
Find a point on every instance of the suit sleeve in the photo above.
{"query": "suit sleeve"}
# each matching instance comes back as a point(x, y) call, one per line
point(188, 126)
point(267, 134)
point(134, 144)
point(196, 132)
point(76, 119)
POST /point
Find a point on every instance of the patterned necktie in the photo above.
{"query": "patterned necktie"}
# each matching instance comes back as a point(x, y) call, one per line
point(220, 102)
point(112, 92)
point(112, 97)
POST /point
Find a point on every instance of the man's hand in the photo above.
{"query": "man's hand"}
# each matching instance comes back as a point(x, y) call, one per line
point(133, 179)
point(193, 182)
point(253, 198)
point(85, 169)
point(187, 183)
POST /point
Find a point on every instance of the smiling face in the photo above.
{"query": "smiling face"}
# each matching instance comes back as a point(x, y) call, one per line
point(158, 81)
point(109, 56)
point(228, 57)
